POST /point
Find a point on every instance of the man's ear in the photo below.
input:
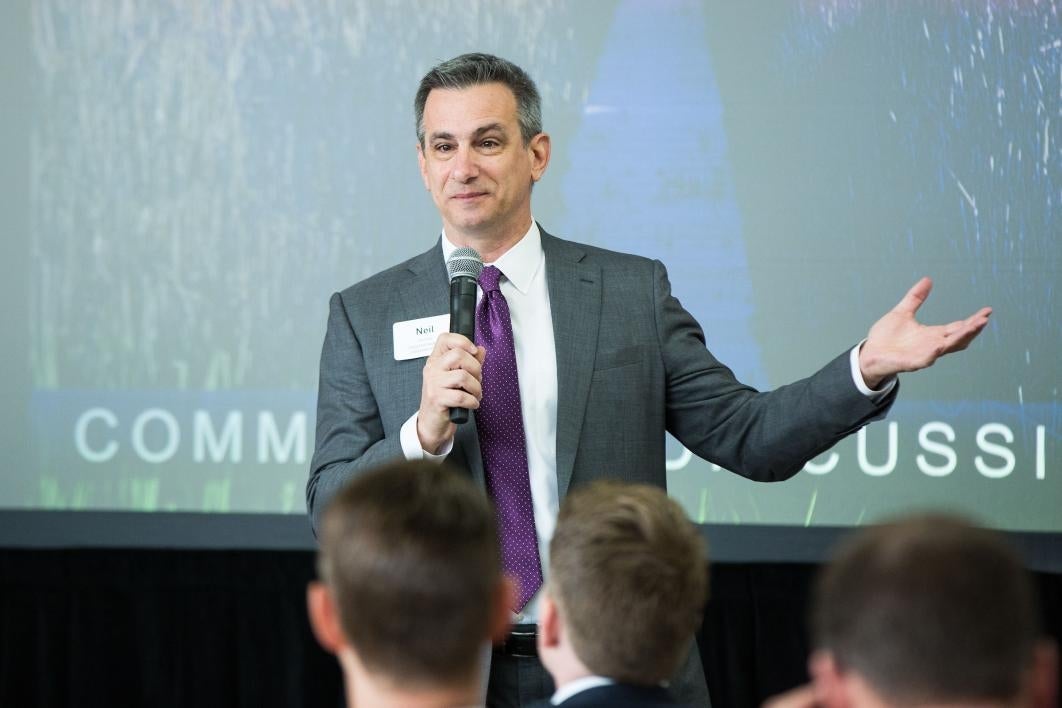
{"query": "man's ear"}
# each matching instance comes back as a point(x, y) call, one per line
point(1043, 687)
point(324, 619)
point(828, 680)
point(539, 149)
point(423, 164)
point(502, 612)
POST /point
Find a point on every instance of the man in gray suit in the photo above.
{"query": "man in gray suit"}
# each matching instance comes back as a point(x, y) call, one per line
point(590, 357)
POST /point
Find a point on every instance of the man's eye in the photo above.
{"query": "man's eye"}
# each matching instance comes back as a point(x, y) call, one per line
point(491, 144)
point(443, 147)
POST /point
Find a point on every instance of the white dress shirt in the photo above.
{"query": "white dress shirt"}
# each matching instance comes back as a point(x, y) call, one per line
point(524, 287)
point(579, 685)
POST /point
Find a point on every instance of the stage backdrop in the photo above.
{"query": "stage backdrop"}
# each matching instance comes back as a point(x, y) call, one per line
point(189, 182)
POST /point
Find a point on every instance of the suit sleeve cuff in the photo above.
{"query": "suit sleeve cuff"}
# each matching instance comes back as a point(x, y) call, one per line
point(411, 448)
point(857, 377)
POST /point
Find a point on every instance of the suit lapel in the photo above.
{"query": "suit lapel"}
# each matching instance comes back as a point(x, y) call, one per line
point(575, 303)
point(427, 293)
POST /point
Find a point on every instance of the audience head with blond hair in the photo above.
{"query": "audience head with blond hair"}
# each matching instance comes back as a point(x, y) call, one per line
point(626, 590)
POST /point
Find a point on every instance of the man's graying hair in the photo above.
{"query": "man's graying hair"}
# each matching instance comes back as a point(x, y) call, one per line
point(475, 69)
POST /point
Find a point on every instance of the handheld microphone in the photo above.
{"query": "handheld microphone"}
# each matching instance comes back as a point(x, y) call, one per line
point(464, 266)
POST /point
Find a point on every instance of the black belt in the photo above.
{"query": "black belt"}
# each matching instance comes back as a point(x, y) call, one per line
point(521, 642)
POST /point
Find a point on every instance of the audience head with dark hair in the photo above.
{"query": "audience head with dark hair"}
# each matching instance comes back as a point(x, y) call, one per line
point(411, 589)
point(627, 585)
point(928, 610)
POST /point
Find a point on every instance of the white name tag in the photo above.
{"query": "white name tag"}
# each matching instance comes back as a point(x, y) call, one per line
point(416, 338)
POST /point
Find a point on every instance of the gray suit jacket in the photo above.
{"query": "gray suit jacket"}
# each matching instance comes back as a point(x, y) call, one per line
point(631, 363)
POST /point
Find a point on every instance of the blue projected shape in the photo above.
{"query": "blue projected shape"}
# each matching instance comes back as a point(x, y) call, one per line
point(652, 140)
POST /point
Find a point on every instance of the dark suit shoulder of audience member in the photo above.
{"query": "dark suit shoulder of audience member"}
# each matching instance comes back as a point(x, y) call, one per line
point(622, 695)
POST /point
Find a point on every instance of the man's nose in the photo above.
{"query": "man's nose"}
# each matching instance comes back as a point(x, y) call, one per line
point(466, 168)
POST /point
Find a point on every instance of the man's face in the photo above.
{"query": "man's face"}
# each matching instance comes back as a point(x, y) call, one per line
point(475, 164)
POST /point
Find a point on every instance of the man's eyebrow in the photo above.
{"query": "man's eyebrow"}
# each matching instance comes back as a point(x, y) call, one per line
point(444, 135)
point(488, 128)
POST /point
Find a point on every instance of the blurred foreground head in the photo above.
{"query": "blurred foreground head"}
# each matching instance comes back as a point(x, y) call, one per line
point(627, 586)
point(929, 611)
point(411, 586)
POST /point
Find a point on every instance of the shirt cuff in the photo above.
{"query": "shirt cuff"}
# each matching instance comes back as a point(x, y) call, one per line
point(857, 376)
point(411, 448)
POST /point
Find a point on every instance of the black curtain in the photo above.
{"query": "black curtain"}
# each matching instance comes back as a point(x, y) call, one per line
point(208, 628)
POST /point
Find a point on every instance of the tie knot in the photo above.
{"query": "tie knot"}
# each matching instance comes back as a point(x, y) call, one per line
point(488, 279)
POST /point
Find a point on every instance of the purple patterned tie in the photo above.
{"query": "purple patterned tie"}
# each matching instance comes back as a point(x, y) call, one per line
point(502, 441)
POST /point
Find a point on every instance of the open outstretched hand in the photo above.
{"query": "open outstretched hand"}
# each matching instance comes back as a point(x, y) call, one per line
point(898, 342)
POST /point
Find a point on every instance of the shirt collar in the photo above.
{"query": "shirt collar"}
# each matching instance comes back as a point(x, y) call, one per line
point(519, 264)
point(578, 686)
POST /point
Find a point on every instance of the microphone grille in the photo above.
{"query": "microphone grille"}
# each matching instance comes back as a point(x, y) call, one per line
point(464, 262)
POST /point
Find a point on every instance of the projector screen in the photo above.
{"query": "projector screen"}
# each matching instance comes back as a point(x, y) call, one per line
point(189, 182)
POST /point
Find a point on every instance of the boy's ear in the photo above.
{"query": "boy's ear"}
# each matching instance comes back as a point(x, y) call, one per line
point(549, 622)
point(324, 619)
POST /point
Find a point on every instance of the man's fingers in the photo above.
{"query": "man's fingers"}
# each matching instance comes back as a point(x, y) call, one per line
point(460, 379)
point(981, 316)
point(915, 296)
point(961, 341)
point(455, 360)
point(457, 398)
point(453, 388)
point(970, 327)
point(451, 340)
point(953, 328)
point(977, 319)
point(960, 337)
point(451, 379)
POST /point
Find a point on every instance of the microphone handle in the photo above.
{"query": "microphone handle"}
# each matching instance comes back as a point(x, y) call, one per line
point(462, 321)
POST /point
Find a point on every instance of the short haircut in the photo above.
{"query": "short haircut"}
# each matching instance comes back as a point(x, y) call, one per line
point(928, 608)
point(629, 575)
point(410, 552)
point(475, 69)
